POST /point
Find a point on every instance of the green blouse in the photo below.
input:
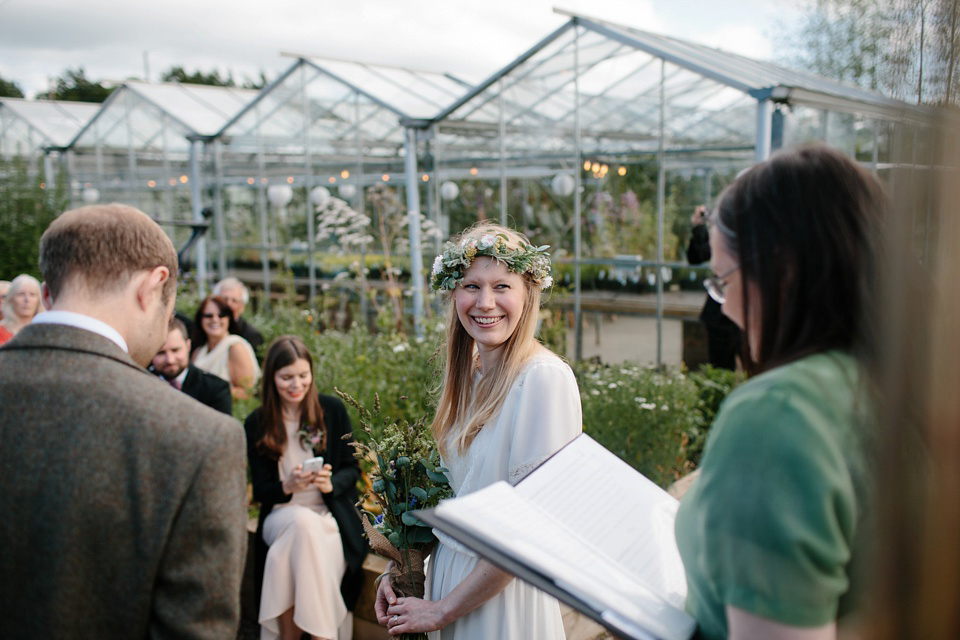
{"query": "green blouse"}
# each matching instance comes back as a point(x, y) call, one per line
point(773, 524)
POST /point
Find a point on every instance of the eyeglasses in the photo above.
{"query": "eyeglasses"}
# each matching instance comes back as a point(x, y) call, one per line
point(207, 316)
point(716, 285)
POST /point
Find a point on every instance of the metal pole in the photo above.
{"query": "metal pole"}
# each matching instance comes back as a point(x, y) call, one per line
point(196, 198)
point(578, 162)
point(218, 210)
point(661, 197)
point(262, 205)
point(503, 161)
point(361, 202)
point(413, 224)
point(308, 185)
point(764, 129)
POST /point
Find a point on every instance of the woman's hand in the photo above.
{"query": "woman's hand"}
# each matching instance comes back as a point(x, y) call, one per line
point(414, 615)
point(385, 596)
point(298, 480)
point(322, 479)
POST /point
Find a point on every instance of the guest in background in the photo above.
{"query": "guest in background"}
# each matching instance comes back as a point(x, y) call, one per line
point(172, 363)
point(20, 306)
point(237, 296)
point(723, 336)
point(4, 287)
point(220, 351)
point(310, 544)
point(775, 532)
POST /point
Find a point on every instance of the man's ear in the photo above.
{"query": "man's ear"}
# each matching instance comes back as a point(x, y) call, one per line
point(46, 296)
point(151, 285)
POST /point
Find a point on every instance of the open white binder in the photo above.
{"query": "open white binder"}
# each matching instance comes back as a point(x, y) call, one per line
point(587, 528)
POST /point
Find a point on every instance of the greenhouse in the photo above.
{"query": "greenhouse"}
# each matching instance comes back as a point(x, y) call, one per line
point(39, 128)
point(600, 140)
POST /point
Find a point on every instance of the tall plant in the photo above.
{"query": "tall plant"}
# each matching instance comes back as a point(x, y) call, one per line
point(28, 204)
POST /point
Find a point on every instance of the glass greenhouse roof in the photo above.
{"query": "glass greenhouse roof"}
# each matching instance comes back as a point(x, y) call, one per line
point(140, 114)
point(44, 123)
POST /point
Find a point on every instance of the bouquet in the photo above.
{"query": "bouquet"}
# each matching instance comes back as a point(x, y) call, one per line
point(408, 477)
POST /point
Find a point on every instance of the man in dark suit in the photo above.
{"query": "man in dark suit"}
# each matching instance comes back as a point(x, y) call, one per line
point(236, 295)
point(124, 506)
point(172, 363)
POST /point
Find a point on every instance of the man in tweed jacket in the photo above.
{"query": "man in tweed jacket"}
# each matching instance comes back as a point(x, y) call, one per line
point(122, 513)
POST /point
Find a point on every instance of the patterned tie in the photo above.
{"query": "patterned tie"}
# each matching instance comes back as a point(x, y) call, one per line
point(175, 384)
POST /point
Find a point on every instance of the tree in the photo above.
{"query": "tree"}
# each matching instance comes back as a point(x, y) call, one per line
point(906, 49)
point(10, 89)
point(179, 74)
point(74, 86)
point(213, 78)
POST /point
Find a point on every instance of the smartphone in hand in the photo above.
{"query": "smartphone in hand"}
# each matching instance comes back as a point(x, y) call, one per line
point(313, 464)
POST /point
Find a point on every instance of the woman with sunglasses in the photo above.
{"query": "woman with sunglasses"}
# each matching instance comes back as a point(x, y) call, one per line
point(773, 532)
point(220, 351)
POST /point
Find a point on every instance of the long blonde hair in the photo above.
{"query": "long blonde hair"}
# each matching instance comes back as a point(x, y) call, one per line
point(458, 407)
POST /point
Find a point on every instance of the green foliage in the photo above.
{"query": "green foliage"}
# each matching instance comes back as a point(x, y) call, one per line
point(76, 87)
point(408, 474)
point(179, 74)
point(27, 206)
point(646, 416)
point(10, 89)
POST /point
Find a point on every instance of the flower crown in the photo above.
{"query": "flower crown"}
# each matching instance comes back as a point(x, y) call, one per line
point(450, 267)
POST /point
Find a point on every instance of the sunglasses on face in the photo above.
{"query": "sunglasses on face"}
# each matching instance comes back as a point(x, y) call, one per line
point(207, 316)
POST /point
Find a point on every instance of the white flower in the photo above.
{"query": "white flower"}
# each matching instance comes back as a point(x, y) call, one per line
point(612, 385)
point(546, 282)
point(437, 265)
point(399, 347)
point(594, 392)
point(664, 408)
point(648, 405)
point(486, 241)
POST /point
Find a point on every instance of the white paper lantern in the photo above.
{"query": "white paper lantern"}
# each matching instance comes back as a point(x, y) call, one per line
point(320, 196)
point(449, 190)
point(563, 184)
point(666, 274)
point(280, 195)
point(91, 195)
point(347, 190)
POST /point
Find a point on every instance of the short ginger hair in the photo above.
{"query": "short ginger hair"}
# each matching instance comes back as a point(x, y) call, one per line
point(104, 245)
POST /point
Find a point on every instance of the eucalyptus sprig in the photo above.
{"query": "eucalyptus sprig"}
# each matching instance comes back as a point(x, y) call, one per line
point(409, 474)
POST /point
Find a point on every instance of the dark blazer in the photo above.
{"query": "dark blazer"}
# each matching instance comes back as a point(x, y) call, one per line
point(268, 491)
point(124, 501)
point(249, 333)
point(209, 389)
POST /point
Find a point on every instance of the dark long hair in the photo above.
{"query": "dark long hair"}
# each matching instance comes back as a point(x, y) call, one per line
point(199, 337)
point(805, 226)
point(283, 352)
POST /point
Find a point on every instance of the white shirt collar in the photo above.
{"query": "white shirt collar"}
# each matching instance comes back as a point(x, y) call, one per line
point(80, 321)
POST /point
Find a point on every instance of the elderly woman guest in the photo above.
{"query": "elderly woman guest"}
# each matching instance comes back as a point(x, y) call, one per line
point(219, 351)
point(314, 565)
point(507, 405)
point(772, 534)
point(4, 288)
point(20, 306)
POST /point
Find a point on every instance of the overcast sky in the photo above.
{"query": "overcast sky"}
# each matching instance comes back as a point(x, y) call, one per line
point(112, 38)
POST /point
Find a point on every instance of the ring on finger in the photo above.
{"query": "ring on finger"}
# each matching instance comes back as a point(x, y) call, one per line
point(395, 617)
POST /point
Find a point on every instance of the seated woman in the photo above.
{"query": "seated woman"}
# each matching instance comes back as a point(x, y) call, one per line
point(218, 350)
point(313, 569)
point(20, 306)
point(774, 532)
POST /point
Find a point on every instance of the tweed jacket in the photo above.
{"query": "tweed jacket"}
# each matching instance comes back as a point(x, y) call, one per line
point(124, 500)
point(268, 491)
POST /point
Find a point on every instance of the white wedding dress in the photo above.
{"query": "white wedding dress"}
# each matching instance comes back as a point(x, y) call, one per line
point(540, 414)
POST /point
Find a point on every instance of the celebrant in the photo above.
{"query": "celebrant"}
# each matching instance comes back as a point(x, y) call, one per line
point(506, 405)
